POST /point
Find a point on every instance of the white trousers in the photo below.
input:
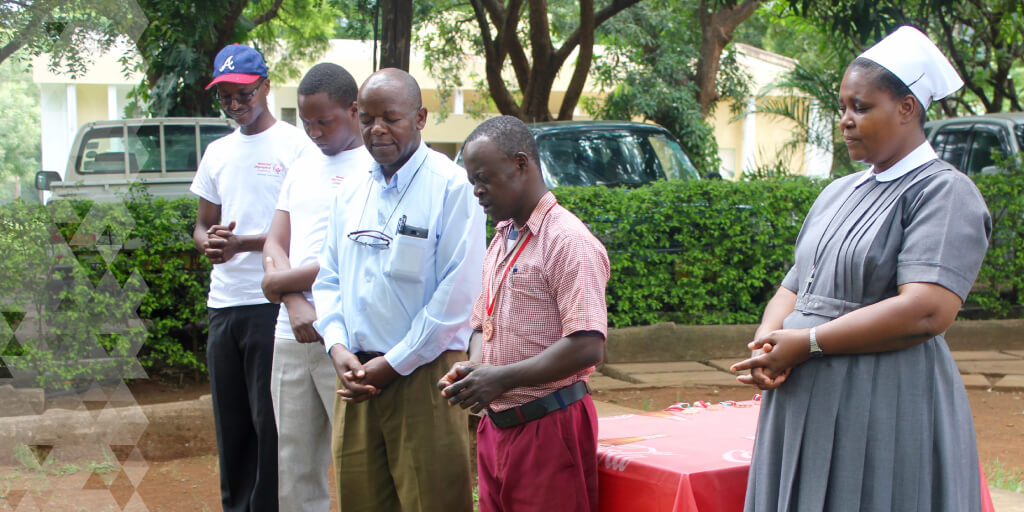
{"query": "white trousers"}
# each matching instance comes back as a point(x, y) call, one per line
point(302, 387)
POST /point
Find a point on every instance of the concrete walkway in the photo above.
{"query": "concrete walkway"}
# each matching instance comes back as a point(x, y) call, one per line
point(999, 370)
point(980, 369)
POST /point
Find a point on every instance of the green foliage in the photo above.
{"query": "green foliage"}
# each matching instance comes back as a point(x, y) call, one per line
point(525, 45)
point(178, 47)
point(648, 70)
point(67, 30)
point(999, 289)
point(92, 290)
point(80, 302)
point(19, 102)
point(983, 41)
point(694, 252)
point(178, 280)
point(713, 252)
point(806, 97)
point(1000, 476)
point(33, 460)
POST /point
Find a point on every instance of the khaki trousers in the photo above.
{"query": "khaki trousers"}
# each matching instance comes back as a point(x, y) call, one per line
point(405, 449)
point(301, 386)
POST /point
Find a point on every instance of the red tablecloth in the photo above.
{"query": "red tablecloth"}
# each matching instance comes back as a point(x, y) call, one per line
point(693, 460)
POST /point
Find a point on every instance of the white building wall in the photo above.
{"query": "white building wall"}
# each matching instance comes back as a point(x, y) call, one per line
point(56, 125)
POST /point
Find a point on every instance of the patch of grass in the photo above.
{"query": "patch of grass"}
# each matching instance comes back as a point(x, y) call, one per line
point(29, 459)
point(1001, 477)
point(648, 404)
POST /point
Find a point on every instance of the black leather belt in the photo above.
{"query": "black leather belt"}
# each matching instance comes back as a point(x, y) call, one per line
point(536, 409)
point(364, 357)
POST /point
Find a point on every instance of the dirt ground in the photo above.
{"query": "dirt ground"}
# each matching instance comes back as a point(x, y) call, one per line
point(191, 484)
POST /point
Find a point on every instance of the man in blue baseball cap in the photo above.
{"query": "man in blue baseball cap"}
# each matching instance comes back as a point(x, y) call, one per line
point(238, 182)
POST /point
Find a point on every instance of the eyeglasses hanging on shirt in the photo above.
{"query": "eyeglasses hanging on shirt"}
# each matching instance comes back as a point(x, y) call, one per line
point(378, 239)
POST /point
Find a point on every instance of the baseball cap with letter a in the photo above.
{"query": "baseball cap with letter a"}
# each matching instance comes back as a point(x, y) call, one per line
point(238, 64)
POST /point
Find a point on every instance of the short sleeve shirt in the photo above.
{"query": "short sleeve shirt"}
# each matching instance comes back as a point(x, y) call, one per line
point(307, 195)
point(555, 288)
point(243, 175)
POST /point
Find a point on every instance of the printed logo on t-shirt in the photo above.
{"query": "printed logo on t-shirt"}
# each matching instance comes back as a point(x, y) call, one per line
point(336, 181)
point(268, 169)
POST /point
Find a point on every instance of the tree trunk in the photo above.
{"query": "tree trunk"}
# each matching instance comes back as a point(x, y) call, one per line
point(716, 32)
point(396, 33)
point(535, 78)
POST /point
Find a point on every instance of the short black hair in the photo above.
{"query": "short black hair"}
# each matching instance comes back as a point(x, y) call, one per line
point(888, 81)
point(331, 78)
point(509, 134)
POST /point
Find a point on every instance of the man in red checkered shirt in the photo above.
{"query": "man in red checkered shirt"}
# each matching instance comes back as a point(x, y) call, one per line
point(539, 329)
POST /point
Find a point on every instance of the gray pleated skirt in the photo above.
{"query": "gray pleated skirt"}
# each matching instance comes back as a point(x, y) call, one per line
point(875, 432)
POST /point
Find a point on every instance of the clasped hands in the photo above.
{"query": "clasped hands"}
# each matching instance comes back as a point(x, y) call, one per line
point(775, 356)
point(473, 385)
point(221, 244)
point(360, 382)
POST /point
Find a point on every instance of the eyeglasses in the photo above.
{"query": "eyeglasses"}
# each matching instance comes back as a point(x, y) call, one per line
point(242, 98)
point(371, 238)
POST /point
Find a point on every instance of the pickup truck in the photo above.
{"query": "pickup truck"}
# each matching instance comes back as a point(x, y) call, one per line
point(108, 156)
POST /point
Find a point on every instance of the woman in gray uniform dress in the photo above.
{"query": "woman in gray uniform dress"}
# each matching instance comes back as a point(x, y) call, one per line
point(864, 409)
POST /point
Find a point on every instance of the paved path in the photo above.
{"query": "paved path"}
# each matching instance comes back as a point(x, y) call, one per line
point(983, 369)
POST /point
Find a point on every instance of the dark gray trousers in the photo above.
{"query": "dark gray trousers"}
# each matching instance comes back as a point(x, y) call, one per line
point(239, 355)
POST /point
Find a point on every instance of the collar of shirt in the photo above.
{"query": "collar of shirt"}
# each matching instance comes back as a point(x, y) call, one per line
point(404, 174)
point(536, 218)
point(916, 158)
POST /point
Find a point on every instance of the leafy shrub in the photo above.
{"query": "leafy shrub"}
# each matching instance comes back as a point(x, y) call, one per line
point(999, 289)
point(93, 290)
point(694, 252)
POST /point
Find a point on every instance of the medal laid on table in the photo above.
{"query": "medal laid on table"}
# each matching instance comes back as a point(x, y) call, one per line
point(492, 291)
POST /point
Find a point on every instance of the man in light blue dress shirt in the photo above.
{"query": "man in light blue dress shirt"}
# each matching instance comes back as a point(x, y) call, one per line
point(399, 273)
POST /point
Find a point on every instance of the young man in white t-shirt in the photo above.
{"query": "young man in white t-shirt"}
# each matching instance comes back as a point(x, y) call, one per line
point(238, 182)
point(303, 380)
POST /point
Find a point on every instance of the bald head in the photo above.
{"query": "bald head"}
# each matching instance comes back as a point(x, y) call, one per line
point(397, 82)
point(391, 115)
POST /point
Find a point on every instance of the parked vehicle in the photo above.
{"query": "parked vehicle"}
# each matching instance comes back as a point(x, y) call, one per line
point(108, 156)
point(608, 153)
point(970, 142)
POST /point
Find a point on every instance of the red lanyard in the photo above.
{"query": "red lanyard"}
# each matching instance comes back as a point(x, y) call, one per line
point(492, 297)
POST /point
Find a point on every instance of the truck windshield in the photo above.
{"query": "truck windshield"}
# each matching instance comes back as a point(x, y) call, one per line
point(611, 158)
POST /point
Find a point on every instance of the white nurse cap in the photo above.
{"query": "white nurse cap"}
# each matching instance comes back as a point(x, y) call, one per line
point(915, 60)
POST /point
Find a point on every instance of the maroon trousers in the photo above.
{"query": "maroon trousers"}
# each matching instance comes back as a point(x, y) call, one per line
point(546, 464)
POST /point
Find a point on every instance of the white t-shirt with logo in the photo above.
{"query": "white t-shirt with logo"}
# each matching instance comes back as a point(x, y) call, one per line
point(307, 195)
point(243, 174)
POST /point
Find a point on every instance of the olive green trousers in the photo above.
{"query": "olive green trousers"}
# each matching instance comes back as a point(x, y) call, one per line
point(406, 449)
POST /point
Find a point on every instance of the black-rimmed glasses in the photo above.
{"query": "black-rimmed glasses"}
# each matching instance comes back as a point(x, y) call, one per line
point(371, 238)
point(241, 98)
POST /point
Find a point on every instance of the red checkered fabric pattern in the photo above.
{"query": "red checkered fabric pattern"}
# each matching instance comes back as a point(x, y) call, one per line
point(555, 288)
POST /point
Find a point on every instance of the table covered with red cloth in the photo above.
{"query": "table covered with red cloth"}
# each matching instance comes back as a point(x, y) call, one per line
point(694, 459)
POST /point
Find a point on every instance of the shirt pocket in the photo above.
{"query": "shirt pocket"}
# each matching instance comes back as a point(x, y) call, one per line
point(526, 282)
point(409, 257)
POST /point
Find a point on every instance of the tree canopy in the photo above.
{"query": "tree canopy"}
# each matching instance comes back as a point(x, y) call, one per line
point(64, 28)
point(984, 39)
point(673, 77)
point(178, 47)
point(533, 40)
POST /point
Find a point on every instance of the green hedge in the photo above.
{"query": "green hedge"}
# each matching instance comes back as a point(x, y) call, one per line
point(707, 252)
point(93, 290)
